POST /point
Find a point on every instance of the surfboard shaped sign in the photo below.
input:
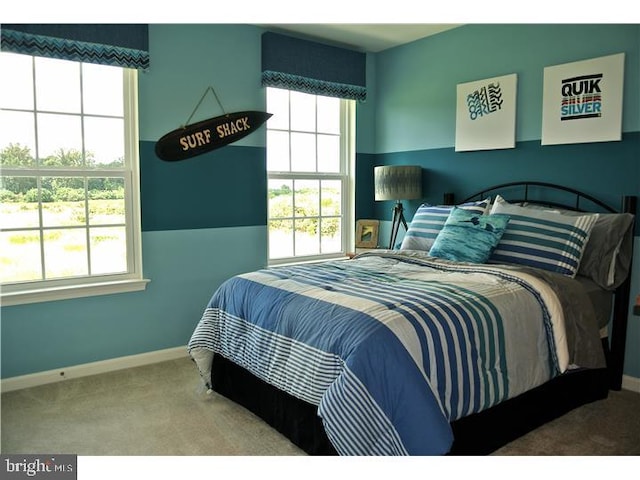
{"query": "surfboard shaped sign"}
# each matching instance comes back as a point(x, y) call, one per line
point(207, 135)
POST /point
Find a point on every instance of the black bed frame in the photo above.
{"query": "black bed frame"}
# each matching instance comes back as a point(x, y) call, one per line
point(480, 433)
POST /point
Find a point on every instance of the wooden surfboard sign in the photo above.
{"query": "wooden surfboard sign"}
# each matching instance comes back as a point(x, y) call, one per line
point(207, 135)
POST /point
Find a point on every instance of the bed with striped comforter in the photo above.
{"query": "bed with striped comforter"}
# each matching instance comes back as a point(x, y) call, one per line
point(391, 346)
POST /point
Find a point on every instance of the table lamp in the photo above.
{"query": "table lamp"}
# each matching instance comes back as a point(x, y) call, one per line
point(397, 182)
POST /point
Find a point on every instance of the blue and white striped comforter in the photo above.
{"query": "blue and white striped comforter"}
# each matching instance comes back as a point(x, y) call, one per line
point(391, 346)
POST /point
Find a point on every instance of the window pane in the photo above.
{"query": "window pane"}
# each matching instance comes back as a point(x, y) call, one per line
point(17, 139)
point(303, 112)
point(329, 115)
point(59, 140)
point(65, 253)
point(328, 153)
point(104, 141)
point(307, 198)
point(57, 85)
point(17, 88)
point(102, 88)
point(280, 199)
point(20, 256)
point(331, 197)
point(280, 238)
point(108, 250)
point(19, 202)
point(278, 106)
point(63, 201)
point(62, 214)
point(106, 201)
point(303, 152)
point(278, 151)
point(307, 238)
point(331, 236)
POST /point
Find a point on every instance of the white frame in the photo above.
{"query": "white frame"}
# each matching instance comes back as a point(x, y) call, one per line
point(603, 120)
point(346, 175)
point(494, 129)
point(68, 288)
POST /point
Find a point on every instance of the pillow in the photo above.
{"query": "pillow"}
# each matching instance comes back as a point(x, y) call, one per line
point(429, 220)
point(542, 239)
point(469, 237)
point(607, 256)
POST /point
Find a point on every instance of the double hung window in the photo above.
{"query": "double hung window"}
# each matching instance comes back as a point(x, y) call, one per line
point(309, 161)
point(69, 223)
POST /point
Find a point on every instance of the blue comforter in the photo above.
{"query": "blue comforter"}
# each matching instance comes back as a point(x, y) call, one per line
point(391, 346)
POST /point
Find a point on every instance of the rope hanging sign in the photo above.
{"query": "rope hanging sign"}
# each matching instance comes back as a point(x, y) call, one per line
point(195, 139)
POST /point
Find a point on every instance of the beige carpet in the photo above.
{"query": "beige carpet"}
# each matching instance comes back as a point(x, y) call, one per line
point(158, 409)
point(162, 409)
point(605, 427)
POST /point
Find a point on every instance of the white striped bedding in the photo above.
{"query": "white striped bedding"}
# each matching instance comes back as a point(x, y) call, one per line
point(391, 346)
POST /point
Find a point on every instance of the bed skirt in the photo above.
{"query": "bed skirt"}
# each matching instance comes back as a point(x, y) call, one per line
point(477, 434)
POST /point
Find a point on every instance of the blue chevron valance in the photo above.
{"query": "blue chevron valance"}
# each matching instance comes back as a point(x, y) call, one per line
point(124, 45)
point(311, 67)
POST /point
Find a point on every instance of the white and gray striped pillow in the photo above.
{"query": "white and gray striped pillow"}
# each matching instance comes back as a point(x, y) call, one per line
point(542, 239)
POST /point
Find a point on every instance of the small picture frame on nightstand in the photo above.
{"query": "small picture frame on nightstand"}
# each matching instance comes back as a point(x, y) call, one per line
point(367, 233)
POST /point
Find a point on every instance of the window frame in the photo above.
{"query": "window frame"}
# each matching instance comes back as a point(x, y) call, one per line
point(26, 292)
point(346, 175)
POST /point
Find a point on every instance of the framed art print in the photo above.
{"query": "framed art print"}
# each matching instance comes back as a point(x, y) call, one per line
point(486, 114)
point(367, 233)
point(582, 101)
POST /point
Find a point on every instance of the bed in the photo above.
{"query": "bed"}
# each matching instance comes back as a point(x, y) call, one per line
point(472, 333)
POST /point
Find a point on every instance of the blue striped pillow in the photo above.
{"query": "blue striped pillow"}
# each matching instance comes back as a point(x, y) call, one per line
point(542, 239)
point(429, 220)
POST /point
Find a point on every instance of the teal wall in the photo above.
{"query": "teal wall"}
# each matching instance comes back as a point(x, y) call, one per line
point(416, 107)
point(204, 219)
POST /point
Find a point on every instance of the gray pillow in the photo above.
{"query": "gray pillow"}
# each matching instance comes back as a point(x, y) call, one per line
point(607, 255)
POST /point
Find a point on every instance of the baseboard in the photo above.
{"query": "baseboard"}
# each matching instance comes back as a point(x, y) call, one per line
point(113, 364)
point(93, 368)
point(631, 383)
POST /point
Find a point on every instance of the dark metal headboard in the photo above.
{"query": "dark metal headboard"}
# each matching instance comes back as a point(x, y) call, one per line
point(545, 196)
point(522, 188)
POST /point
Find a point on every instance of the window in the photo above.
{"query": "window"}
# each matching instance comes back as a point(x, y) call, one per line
point(69, 223)
point(309, 161)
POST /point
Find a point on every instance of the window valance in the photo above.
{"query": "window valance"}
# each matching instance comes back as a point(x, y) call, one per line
point(311, 67)
point(124, 45)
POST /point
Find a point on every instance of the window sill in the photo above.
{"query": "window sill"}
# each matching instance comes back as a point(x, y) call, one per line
point(8, 299)
point(303, 260)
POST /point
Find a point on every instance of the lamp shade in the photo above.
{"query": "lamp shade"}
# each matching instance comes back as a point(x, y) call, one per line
point(398, 182)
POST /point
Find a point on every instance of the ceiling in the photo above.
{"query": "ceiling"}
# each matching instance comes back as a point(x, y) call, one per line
point(366, 37)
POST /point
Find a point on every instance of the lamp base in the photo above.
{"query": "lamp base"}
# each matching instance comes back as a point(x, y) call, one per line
point(398, 218)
